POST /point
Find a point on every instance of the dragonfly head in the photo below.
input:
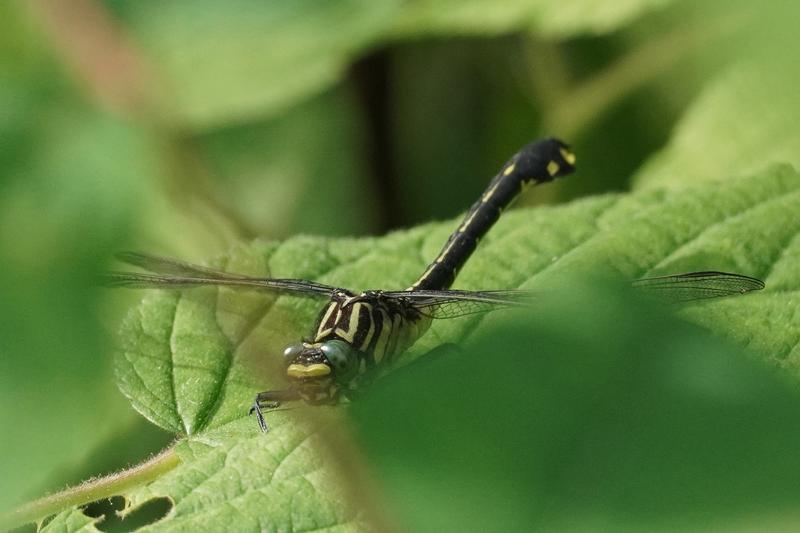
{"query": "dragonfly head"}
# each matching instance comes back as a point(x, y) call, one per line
point(317, 370)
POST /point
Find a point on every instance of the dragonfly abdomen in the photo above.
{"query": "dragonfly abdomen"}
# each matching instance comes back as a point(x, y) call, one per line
point(538, 162)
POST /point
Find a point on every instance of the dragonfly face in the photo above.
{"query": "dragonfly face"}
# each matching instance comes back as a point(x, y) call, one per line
point(319, 371)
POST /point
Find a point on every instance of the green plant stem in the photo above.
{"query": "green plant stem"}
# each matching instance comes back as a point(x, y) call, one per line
point(586, 101)
point(91, 490)
point(578, 107)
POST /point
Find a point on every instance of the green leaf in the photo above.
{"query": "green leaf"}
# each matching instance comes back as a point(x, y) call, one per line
point(229, 63)
point(72, 521)
point(238, 475)
point(481, 17)
point(284, 481)
point(192, 361)
point(291, 174)
point(71, 178)
point(744, 119)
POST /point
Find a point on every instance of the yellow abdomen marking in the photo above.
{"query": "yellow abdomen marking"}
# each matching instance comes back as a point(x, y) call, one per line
point(568, 156)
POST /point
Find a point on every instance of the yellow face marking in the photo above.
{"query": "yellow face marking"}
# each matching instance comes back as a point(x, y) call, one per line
point(568, 156)
point(552, 168)
point(310, 371)
point(350, 333)
point(509, 169)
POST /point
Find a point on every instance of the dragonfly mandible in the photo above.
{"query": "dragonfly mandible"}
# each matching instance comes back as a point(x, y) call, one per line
point(357, 334)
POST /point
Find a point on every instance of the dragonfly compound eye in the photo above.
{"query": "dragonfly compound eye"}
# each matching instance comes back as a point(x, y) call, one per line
point(291, 352)
point(341, 356)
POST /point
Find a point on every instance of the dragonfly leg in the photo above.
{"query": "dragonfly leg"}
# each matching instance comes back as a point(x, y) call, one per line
point(270, 400)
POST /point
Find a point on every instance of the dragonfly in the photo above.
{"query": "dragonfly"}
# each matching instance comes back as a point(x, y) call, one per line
point(357, 335)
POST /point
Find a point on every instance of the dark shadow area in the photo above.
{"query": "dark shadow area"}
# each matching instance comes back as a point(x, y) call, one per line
point(148, 513)
point(370, 76)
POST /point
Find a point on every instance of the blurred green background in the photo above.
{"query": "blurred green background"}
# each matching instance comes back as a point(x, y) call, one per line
point(621, 419)
point(182, 128)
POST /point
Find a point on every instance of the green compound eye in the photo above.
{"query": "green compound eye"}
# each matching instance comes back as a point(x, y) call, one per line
point(341, 356)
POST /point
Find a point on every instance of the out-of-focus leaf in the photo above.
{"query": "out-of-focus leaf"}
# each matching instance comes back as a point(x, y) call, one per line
point(481, 17)
point(294, 172)
point(228, 62)
point(593, 412)
point(745, 119)
point(244, 59)
point(71, 180)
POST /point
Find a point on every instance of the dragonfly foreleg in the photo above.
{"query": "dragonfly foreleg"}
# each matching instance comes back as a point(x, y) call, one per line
point(270, 400)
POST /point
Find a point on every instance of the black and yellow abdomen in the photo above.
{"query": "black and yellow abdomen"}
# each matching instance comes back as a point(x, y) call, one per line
point(537, 162)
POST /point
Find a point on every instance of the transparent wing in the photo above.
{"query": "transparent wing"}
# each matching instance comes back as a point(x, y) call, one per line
point(455, 303)
point(698, 286)
point(677, 288)
point(172, 274)
point(458, 308)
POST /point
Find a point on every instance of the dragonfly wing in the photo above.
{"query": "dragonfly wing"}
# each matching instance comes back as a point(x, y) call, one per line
point(165, 265)
point(456, 308)
point(136, 280)
point(172, 274)
point(455, 303)
point(677, 288)
point(698, 286)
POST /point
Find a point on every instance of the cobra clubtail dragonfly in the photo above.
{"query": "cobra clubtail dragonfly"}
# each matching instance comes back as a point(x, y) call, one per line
point(358, 333)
